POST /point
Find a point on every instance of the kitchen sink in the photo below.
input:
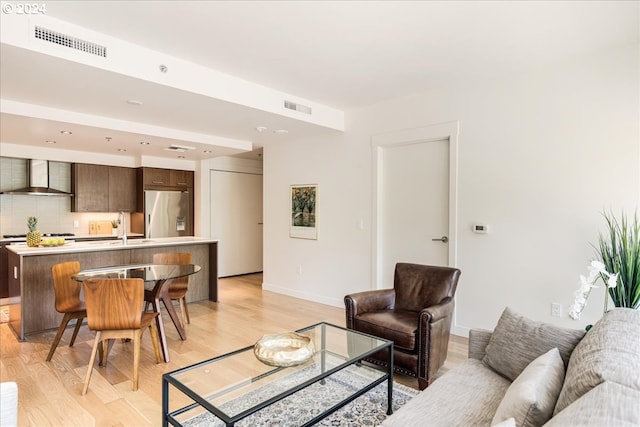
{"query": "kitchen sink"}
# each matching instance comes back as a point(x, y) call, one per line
point(139, 241)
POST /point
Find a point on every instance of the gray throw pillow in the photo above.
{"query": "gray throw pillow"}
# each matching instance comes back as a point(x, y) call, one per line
point(517, 341)
point(530, 399)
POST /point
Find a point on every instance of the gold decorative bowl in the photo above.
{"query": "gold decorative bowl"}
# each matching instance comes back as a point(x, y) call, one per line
point(284, 349)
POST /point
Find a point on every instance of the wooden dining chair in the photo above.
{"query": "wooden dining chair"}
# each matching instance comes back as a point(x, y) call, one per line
point(67, 300)
point(114, 310)
point(177, 287)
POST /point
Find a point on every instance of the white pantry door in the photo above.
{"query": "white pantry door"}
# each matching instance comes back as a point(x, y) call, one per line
point(236, 220)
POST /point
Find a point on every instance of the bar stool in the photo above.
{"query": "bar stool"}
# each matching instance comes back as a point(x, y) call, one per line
point(114, 309)
point(67, 300)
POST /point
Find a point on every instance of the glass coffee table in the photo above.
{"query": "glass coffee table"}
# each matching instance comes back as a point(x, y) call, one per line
point(229, 388)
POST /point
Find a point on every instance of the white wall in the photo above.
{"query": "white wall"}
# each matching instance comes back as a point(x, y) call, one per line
point(540, 156)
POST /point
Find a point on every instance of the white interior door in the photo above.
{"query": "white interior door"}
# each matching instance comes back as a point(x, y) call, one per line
point(236, 220)
point(415, 203)
point(415, 199)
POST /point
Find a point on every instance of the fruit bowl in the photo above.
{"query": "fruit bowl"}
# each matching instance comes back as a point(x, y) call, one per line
point(52, 242)
point(285, 349)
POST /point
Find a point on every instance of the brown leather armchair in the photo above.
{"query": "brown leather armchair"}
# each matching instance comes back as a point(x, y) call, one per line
point(416, 315)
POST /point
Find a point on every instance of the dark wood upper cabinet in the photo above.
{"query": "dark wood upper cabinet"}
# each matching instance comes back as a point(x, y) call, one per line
point(156, 176)
point(98, 188)
point(90, 186)
point(181, 178)
point(123, 189)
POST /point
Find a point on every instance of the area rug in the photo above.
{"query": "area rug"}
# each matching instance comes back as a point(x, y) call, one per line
point(369, 409)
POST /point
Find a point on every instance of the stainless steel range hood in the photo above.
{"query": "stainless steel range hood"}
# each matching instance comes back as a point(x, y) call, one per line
point(38, 181)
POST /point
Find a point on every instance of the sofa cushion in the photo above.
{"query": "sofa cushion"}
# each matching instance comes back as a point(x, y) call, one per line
point(530, 399)
point(510, 422)
point(610, 351)
point(467, 395)
point(516, 341)
point(608, 404)
point(395, 325)
point(8, 404)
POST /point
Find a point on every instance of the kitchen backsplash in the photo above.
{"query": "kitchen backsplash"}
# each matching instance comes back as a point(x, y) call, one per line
point(53, 213)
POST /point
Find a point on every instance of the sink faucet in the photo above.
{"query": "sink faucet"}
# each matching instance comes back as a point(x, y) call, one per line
point(123, 222)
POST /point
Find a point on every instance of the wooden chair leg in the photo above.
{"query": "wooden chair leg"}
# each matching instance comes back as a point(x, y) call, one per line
point(184, 311)
point(105, 347)
point(136, 357)
point(154, 340)
point(56, 340)
point(91, 362)
point(75, 330)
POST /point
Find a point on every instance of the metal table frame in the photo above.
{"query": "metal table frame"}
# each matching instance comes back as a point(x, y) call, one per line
point(169, 417)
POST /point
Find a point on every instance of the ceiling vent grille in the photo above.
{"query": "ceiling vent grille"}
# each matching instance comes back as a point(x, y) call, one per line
point(179, 148)
point(290, 105)
point(69, 41)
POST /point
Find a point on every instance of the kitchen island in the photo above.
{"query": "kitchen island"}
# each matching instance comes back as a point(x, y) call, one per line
point(31, 284)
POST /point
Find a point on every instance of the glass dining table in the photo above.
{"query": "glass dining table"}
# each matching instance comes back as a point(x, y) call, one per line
point(156, 279)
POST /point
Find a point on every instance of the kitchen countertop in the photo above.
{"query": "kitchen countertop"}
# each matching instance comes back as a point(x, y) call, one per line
point(107, 245)
point(9, 240)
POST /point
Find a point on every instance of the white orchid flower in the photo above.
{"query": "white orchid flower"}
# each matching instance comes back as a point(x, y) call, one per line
point(596, 270)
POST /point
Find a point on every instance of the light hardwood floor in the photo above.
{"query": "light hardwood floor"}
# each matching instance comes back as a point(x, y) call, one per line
point(49, 392)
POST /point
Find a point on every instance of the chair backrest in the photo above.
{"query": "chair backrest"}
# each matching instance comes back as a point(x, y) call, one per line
point(113, 303)
point(67, 290)
point(179, 258)
point(420, 286)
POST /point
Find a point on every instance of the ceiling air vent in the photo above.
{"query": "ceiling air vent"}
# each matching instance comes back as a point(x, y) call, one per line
point(179, 148)
point(290, 105)
point(69, 41)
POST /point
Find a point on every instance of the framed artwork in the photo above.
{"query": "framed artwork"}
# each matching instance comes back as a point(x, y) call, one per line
point(304, 211)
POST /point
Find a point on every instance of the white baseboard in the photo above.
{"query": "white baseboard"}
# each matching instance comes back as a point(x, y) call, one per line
point(461, 331)
point(303, 295)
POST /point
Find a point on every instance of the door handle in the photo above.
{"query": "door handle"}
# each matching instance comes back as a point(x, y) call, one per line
point(443, 239)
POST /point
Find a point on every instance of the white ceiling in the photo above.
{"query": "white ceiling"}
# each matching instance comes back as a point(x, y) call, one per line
point(342, 54)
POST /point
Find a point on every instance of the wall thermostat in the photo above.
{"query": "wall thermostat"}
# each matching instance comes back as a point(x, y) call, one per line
point(480, 228)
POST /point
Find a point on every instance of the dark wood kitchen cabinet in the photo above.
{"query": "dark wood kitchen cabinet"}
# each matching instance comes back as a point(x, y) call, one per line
point(181, 178)
point(123, 189)
point(99, 188)
point(90, 187)
point(156, 176)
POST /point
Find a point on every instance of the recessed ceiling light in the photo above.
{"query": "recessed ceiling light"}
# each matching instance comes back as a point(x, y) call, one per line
point(261, 128)
point(66, 132)
point(134, 102)
point(144, 143)
point(122, 149)
point(281, 131)
point(50, 142)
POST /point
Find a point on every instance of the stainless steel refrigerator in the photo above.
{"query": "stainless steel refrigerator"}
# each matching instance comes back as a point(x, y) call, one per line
point(167, 214)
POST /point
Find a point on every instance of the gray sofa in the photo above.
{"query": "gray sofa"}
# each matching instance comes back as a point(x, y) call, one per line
point(528, 373)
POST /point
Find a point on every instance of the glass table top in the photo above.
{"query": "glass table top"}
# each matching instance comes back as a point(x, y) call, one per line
point(221, 381)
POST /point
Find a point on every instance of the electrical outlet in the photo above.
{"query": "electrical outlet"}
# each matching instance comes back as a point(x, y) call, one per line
point(556, 309)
